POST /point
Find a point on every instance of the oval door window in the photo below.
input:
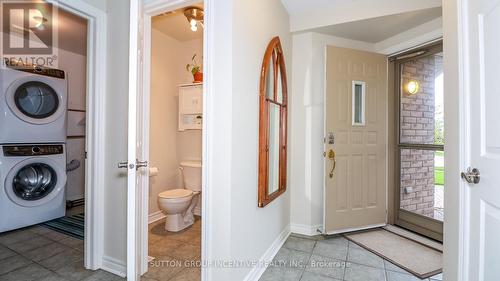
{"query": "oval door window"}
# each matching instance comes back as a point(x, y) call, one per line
point(34, 181)
point(36, 99)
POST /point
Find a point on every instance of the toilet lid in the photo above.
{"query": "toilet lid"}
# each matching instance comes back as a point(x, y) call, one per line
point(175, 193)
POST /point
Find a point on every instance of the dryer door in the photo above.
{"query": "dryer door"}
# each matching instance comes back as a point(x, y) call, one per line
point(35, 181)
point(35, 100)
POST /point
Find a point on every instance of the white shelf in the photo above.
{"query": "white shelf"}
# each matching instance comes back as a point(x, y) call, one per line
point(191, 106)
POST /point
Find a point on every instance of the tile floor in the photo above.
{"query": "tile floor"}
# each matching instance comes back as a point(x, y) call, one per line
point(332, 259)
point(38, 253)
point(177, 255)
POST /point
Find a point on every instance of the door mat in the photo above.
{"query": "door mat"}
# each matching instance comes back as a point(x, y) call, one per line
point(416, 258)
point(72, 225)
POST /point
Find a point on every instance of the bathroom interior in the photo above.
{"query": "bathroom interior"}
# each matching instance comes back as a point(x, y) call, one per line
point(176, 105)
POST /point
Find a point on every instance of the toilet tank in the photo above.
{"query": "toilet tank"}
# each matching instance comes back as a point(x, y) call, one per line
point(191, 175)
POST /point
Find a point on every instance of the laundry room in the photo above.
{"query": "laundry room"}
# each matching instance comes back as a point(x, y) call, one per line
point(42, 150)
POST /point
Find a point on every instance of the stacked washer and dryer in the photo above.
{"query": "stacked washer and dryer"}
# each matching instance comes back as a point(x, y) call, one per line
point(33, 109)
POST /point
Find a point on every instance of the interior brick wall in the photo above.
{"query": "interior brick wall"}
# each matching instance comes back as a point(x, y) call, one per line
point(417, 126)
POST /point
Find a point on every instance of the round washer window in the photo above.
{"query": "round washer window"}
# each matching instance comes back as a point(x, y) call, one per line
point(34, 181)
point(36, 99)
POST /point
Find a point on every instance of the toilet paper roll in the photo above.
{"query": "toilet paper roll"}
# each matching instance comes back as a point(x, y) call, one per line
point(153, 171)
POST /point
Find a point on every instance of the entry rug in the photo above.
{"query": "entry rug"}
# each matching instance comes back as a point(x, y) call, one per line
point(72, 226)
point(418, 259)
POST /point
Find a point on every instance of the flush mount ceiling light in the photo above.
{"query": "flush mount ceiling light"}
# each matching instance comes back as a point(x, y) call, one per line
point(194, 15)
point(412, 87)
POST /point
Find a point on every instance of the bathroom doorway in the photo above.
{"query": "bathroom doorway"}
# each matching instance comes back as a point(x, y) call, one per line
point(174, 90)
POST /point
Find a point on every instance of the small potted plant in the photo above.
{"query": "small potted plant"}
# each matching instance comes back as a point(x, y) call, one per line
point(195, 69)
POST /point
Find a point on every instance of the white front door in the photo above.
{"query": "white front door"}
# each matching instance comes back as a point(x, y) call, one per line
point(482, 70)
point(356, 140)
point(136, 163)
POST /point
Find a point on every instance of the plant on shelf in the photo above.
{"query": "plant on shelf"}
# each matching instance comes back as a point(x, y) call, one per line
point(195, 69)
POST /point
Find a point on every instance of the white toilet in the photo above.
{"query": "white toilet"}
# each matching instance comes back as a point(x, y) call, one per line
point(178, 204)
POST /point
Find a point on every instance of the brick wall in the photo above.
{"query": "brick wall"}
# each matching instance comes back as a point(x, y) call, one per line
point(417, 126)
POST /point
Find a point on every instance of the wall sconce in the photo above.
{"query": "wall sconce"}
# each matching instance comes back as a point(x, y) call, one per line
point(194, 15)
point(412, 87)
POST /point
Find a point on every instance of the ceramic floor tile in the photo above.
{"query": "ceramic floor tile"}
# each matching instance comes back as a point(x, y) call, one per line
point(72, 242)
point(45, 252)
point(281, 274)
point(334, 248)
point(163, 268)
point(53, 277)
point(74, 271)
point(398, 276)
point(437, 277)
point(188, 274)
point(101, 275)
point(39, 230)
point(164, 247)
point(27, 273)
point(12, 263)
point(13, 237)
point(309, 276)
point(364, 257)
point(186, 252)
point(6, 252)
point(357, 272)
point(326, 266)
point(300, 244)
point(59, 260)
point(55, 236)
point(291, 258)
point(392, 267)
point(29, 244)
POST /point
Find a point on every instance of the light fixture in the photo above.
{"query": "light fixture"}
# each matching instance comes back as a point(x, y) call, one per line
point(412, 87)
point(194, 15)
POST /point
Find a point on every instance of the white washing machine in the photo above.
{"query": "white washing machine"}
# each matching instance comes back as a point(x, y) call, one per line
point(32, 181)
point(33, 105)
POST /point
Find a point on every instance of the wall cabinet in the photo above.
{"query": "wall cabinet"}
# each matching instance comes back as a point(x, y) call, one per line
point(190, 107)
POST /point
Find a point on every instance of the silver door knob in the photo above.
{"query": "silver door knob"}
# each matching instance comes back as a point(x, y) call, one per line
point(125, 165)
point(141, 164)
point(472, 175)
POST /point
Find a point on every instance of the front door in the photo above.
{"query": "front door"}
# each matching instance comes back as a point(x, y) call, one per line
point(356, 140)
point(482, 67)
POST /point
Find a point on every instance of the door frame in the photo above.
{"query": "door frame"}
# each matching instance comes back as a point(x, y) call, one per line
point(403, 218)
point(457, 154)
point(151, 9)
point(95, 141)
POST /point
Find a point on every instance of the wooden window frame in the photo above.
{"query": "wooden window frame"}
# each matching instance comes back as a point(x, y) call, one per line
point(274, 51)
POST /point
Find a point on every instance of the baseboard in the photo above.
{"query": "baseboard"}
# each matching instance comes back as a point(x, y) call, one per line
point(156, 216)
point(114, 266)
point(303, 229)
point(268, 256)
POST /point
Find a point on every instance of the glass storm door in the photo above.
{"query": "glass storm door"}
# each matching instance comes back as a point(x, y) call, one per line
point(421, 142)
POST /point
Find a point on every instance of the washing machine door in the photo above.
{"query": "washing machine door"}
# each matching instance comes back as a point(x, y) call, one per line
point(35, 100)
point(35, 182)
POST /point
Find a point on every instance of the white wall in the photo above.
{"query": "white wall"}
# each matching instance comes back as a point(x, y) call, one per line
point(253, 229)
point(168, 146)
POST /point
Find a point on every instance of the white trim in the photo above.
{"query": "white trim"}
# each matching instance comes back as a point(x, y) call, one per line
point(95, 131)
point(268, 256)
point(308, 230)
point(152, 8)
point(114, 266)
point(156, 216)
point(345, 230)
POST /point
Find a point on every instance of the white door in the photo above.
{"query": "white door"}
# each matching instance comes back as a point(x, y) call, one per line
point(356, 140)
point(482, 25)
point(137, 164)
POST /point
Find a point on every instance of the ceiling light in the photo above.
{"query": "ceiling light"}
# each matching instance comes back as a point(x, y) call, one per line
point(194, 15)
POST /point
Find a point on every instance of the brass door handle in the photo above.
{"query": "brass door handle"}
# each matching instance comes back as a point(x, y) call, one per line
point(331, 156)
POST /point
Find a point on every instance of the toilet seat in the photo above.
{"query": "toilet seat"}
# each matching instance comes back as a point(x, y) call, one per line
point(175, 194)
